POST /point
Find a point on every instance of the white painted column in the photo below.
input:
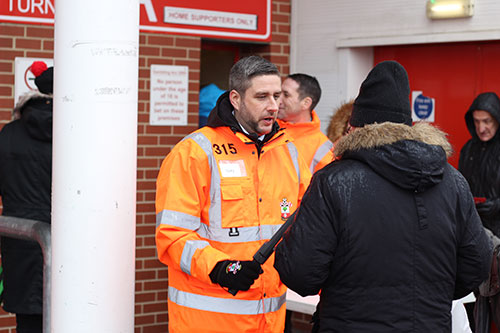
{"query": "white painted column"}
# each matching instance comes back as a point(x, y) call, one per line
point(354, 64)
point(94, 165)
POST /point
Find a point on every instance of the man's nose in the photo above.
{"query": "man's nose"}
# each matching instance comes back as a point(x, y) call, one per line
point(274, 104)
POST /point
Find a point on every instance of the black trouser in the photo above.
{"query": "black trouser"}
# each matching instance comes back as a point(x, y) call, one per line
point(29, 323)
point(288, 322)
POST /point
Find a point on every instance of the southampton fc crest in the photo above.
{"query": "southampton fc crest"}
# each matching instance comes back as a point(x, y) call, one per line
point(285, 209)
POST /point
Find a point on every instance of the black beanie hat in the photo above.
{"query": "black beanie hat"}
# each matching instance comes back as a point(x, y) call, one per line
point(383, 96)
point(45, 81)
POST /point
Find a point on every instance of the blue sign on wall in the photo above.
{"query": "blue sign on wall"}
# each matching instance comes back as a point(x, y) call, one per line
point(422, 107)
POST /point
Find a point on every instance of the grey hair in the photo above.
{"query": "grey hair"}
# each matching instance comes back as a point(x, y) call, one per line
point(246, 68)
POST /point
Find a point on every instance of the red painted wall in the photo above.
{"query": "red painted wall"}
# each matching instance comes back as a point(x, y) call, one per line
point(451, 73)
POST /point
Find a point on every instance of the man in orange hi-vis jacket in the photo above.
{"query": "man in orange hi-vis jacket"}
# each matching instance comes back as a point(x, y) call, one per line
point(300, 95)
point(221, 193)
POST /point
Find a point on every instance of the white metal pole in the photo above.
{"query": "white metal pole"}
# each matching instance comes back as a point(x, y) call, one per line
point(94, 165)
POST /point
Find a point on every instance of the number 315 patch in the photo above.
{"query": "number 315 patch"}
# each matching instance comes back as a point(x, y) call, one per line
point(225, 149)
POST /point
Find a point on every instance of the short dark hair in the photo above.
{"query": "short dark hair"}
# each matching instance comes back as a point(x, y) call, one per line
point(246, 68)
point(308, 87)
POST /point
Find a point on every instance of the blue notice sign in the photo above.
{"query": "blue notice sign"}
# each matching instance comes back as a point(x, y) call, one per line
point(423, 106)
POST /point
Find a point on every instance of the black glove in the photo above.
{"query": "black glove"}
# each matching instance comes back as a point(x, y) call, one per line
point(489, 209)
point(236, 275)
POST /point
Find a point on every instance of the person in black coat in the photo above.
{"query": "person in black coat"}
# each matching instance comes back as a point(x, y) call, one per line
point(480, 164)
point(479, 158)
point(25, 188)
point(388, 233)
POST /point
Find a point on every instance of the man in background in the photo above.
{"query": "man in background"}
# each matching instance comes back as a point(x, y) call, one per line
point(480, 164)
point(301, 94)
point(479, 158)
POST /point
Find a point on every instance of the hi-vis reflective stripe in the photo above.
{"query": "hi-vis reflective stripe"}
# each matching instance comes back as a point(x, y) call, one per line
point(294, 153)
point(320, 153)
point(215, 231)
point(225, 305)
point(185, 221)
point(177, 219)
point(187, 254)
point(215, 210)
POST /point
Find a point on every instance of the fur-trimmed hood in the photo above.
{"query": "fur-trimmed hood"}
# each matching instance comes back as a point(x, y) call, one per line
point(34, 109)
point(411, 157)
point(338, 122)
point(375, 135)
point(25, 98)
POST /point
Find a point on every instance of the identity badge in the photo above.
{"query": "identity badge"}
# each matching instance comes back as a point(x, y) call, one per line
point(232, 168)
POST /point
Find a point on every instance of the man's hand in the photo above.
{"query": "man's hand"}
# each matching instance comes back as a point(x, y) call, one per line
point(488, 209)
point(236, 275)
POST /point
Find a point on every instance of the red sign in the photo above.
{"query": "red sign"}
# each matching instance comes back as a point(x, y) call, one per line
point(27, 11)
point(242, 20)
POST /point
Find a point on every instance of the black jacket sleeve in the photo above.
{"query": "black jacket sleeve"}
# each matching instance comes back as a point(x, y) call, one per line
point(474, 246)
point(304, 255)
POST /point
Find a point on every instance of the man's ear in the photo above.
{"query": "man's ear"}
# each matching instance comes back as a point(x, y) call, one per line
point(235, 99)
point(306, 103)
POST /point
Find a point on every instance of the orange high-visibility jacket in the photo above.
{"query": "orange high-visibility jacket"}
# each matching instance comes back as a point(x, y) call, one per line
point(313, 145)
point(217, 199)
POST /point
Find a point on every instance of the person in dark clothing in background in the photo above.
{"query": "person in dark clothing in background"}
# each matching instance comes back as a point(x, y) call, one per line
point(389, 232)
point(480, 164)
point(25, 188)
point(479, 158)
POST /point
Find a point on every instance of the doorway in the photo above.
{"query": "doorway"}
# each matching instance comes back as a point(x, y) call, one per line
point(451, 73)
point(216, 60)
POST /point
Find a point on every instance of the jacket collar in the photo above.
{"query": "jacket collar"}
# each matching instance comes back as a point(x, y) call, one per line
point(302, 129)
point(376, 135)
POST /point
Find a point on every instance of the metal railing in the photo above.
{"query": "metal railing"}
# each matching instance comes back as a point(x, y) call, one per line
point(39, 231)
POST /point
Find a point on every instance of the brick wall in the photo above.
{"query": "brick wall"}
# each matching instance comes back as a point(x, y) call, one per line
point(154, 142)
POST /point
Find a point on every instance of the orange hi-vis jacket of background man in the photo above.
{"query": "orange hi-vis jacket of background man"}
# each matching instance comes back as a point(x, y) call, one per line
point(217, 199)
point(313, 145)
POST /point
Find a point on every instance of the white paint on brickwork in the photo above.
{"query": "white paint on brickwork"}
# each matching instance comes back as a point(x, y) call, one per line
point(333, 40)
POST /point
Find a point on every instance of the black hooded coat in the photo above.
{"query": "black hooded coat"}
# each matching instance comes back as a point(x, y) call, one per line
point(480, 163)
point(388, 234)
point(25, 188)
